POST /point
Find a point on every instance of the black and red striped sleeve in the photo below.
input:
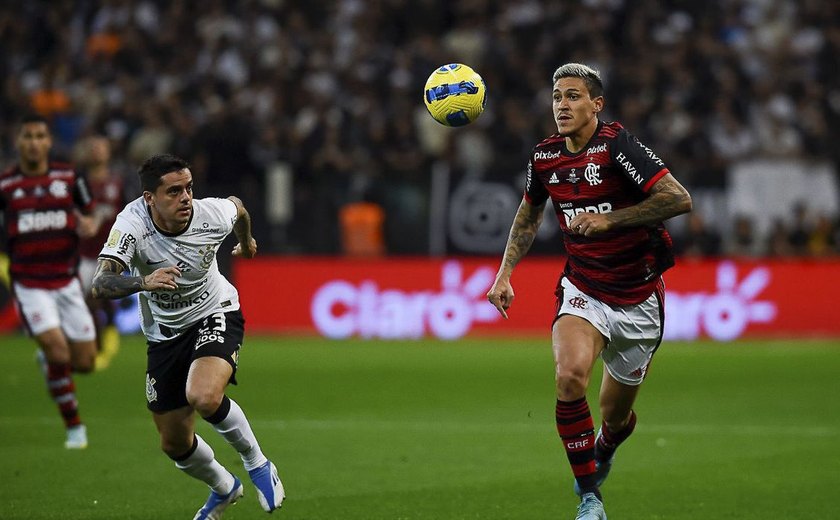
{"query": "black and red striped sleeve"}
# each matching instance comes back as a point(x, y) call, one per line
point(535, 192)
point(638, 162)
point(82, 196)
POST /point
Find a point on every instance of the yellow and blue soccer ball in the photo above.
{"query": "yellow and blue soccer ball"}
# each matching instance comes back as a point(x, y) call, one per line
point(455, 95)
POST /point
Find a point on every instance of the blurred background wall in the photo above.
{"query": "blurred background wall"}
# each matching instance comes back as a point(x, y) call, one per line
point(307, 109)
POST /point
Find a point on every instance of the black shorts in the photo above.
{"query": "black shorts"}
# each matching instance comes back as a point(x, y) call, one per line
point(168, 362)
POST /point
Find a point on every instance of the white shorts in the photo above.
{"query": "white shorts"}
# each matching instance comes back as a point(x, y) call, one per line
point(65, 308)
point(633, 332)
point(87, 268)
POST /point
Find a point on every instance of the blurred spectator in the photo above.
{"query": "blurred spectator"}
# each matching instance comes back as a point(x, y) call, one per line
point(705, 84)
point(48, 99)
point(799, 233)
point(698, 239)
point(742, 241)
point(821, 240)
point(778, 241)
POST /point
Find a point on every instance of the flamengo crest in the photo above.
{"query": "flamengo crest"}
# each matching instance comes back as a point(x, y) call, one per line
point(592, 174)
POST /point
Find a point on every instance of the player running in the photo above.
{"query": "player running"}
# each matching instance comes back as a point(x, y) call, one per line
point(42, 203)
point(611, 194)
point(191, 318)
point(106, 188)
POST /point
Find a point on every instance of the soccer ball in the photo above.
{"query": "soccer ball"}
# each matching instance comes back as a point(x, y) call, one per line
point(455, 95)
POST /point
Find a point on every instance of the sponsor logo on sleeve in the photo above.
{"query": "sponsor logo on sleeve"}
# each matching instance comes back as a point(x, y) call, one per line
point(629, 168)
point(126, 243)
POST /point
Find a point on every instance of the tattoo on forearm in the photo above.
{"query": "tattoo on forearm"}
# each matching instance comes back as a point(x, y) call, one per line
point(522, 234)
point(668, 199)
point(108, 282)
point(242, 227)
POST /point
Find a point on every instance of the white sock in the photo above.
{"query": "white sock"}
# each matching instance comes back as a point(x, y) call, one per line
point(237, 431)
point(202, 464)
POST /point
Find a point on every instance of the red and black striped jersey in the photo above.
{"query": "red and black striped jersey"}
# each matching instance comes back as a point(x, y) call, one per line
point(40, 223)
point(108, 200)
point(613, 171)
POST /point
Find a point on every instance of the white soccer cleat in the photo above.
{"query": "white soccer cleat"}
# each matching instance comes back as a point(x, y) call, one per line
point(591, 508)
point(270, 490)
point(76, 438)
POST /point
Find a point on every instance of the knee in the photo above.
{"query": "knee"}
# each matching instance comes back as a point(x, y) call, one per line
point(84, 365)
point(204, 401)
point(175, 447)
point(571, 382)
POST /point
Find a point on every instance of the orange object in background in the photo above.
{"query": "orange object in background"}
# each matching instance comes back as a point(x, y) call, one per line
point(50, 101)
point(104, 44)
point(361, 229)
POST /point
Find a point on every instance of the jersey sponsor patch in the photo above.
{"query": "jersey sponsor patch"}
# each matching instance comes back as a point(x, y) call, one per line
point(34, 221)
point(113, 238)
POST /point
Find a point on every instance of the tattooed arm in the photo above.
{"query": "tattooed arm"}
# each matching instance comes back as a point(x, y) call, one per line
point(667, 198)
point(108, 282)
point(247, 246)
point(522, 233)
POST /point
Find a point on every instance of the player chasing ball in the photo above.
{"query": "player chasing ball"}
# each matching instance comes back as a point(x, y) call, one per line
point(193, 325)
point(611, 194)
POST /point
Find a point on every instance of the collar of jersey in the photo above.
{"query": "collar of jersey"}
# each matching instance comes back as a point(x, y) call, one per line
point(585, 147)
point(167, 233)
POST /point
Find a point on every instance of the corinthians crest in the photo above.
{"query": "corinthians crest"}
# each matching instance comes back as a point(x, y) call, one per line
point(151, 393)
point(592, 174)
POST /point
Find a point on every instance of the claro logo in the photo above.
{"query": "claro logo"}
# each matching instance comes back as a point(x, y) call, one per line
point(723, 315)
point(341, 309)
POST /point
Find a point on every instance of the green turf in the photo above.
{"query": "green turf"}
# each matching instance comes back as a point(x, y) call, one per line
point(434, 430)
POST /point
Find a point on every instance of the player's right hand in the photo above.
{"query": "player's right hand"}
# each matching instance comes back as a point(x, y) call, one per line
point(501, 296)
point(162, 279)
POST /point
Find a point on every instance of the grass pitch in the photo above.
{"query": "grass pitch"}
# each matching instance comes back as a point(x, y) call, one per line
point(435, 430)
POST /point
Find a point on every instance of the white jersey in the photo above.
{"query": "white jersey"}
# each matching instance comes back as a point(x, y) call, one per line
point(138, 244)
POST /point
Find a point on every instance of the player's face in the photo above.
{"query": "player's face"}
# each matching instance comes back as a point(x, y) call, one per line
point(171, 202)
point(574, 109)
point(34, 143)
point(99, 151)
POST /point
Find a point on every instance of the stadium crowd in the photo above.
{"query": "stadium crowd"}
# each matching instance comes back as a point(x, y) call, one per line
point(333, 90)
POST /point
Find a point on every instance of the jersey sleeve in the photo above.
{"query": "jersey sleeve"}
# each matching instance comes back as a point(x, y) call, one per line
point(122, 242)
point(222, 211)
point(637, 161)
point(82, 195)
point(535, 192)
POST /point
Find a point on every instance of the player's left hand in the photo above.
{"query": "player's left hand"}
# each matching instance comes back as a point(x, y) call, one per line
point(88, 225)
point(249, 250)
point(588, 224)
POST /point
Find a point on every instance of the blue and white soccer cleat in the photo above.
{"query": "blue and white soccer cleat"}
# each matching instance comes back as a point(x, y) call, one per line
point(270, 490)
point(591, 508)
point(216, 504)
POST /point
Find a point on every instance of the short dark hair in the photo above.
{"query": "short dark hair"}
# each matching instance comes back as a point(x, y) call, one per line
point(156, 167)
point(33, 118)
point(590, 77)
